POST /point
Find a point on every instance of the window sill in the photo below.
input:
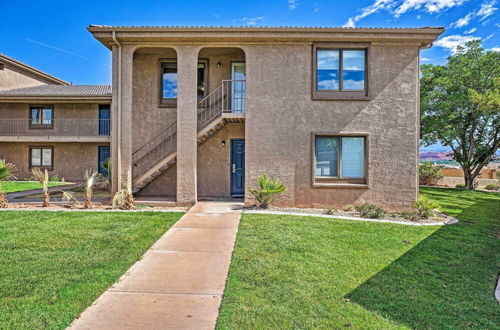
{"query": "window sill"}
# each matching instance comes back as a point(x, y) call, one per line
point(340, 185)
point(168, 103)
point(340, 96)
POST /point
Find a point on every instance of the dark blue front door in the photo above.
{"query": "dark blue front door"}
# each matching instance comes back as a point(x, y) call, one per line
point(103, 155)
point(104, 119)
point(237, 167)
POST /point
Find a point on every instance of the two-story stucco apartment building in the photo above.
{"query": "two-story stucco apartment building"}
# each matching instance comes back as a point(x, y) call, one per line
point(203, 111)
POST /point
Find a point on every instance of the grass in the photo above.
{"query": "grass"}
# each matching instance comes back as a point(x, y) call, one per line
point(303, 273)
point(15, 186)
point(55, 264)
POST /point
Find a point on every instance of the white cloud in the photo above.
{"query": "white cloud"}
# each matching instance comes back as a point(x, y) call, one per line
point(494, 49)
point(487, 9)
point(399, 7)
point(375, 7)
point(464, 21)
point(488, 37)
point(292, 4)
point(249, 20)
point(425, 59)
point(471, 31)
point(430, 6)
point(452, 42)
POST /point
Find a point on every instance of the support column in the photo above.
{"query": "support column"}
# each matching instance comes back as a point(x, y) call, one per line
point(187, 131)
point(121, 116)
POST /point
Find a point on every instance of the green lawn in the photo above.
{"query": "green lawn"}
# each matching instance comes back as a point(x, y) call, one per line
point(15, 186)
point(55, 264)
point(304, 273)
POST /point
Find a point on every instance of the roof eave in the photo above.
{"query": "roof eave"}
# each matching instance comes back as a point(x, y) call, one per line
point(138, 35)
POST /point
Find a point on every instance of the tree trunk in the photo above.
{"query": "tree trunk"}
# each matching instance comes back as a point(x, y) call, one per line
point(469, 180)
point(46, 200)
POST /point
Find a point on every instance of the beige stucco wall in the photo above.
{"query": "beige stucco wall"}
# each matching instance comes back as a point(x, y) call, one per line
point(281, 117)
point(14, 77)
point(70, 159)
point(213, 167)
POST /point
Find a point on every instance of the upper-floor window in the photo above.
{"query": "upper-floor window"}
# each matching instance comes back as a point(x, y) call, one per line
point(340, 72)
point(169, 81)
point(41, 116)
point(340, 69)
point(340, 158)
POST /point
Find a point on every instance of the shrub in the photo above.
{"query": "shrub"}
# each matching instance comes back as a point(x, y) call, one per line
point(269, 188)
point(425, 206)
point(54, 178)
point(368, 210)
point(491, 186)
point(350, 208)
point(331, 210)
point(460, 186)
point(409, 215)
point(429, 174)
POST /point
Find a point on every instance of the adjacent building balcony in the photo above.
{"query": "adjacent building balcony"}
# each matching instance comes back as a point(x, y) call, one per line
point(55, 130)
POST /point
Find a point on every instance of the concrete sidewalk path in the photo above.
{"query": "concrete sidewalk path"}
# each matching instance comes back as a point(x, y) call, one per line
point(179, 282)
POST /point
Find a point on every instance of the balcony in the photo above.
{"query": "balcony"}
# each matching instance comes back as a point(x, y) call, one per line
point(55, 130)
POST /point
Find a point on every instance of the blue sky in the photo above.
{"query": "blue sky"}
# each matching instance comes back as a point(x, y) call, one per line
point(52, 35)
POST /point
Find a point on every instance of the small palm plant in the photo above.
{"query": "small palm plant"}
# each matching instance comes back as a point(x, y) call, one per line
point(107, 166)
point(43, 179)
point(6, 173)
point(268, 190)
point(90, 177)
point(70, 198)
point(124, 199)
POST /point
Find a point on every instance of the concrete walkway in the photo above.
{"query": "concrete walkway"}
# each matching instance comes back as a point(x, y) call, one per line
point(179, 282)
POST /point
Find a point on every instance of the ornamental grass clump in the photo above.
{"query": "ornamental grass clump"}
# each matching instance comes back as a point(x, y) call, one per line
point(269, 189)
point(6, 173)
point(43, 179)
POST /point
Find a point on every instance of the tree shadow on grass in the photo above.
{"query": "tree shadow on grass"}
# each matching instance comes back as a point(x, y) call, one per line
point(447, 281)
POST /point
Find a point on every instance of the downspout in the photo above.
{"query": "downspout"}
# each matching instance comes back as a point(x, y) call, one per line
point(119, 114)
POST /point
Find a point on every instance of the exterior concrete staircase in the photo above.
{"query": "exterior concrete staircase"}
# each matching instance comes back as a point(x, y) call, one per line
point(160, 153)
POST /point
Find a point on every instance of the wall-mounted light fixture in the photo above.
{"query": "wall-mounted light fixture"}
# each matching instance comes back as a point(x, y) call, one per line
point(223, 143)
point(218, 64)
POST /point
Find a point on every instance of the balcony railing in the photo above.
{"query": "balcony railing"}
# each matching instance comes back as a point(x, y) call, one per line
point(56, 127)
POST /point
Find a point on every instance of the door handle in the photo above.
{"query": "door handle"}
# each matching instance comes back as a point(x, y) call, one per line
point(234, 168)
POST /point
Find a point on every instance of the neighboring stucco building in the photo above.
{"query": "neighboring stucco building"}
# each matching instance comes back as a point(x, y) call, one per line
point(15, 74)
point(202, 111)
point(46, 123)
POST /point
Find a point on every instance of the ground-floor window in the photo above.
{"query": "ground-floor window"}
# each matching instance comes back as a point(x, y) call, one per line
point(103, 155)
point(340, 158)
point(42, 157)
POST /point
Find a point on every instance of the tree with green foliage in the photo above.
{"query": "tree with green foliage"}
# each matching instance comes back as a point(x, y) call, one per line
point(460, 107)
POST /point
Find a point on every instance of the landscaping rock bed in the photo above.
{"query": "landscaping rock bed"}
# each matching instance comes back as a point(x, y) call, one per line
point(438, 217)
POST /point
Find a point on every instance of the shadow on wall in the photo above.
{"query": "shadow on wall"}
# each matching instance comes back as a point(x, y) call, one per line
point(448, 280)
